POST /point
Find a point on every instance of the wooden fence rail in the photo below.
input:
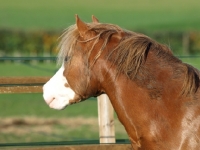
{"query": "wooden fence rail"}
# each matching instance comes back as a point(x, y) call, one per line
point(22, 84)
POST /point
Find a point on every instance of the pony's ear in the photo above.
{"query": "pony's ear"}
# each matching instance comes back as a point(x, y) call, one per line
point(82, 27)
point(94, 19)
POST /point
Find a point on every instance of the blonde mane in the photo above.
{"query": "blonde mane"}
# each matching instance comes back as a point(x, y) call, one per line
point(67, 43)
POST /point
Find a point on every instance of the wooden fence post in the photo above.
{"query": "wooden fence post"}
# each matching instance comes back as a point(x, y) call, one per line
point(106, 120)
point(186, 43)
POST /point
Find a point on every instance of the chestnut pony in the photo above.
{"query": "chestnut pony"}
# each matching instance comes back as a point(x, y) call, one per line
point(155, 95)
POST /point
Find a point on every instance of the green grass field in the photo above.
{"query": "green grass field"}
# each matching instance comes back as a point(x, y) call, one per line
point(59, 14)
point(26, 69)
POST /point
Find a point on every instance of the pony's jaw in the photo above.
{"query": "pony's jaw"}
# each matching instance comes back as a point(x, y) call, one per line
point(55, 92)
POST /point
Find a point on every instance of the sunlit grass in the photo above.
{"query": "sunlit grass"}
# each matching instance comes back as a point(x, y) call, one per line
point(194, 61)
point(144, 15)
point(27, 69)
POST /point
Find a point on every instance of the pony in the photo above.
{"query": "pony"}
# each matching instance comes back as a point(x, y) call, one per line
point(155, 95)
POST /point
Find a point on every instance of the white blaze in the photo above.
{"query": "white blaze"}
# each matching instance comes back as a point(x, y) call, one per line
point(55, 93)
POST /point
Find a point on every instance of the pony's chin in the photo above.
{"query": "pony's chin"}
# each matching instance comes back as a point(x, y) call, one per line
point(58, 104)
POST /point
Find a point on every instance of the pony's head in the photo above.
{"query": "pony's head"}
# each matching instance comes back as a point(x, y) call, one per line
point(81, 46)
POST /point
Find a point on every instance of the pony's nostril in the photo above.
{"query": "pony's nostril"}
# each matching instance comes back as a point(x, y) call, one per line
point(66, 85)
point(47, 95)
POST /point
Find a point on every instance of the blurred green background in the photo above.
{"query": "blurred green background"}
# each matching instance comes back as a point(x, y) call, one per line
point(137, 14)
point(32, 28)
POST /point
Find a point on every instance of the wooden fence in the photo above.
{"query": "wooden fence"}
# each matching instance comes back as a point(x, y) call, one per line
point(35, 84)
point(79, 147)
point(22, 84)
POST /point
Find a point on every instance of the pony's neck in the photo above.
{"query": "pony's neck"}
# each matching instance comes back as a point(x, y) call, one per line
point(140, 99)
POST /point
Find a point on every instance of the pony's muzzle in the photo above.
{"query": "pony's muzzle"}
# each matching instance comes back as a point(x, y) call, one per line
point(55, 92)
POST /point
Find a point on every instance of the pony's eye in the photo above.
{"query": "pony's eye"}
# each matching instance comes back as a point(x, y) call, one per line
point(67, 58)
